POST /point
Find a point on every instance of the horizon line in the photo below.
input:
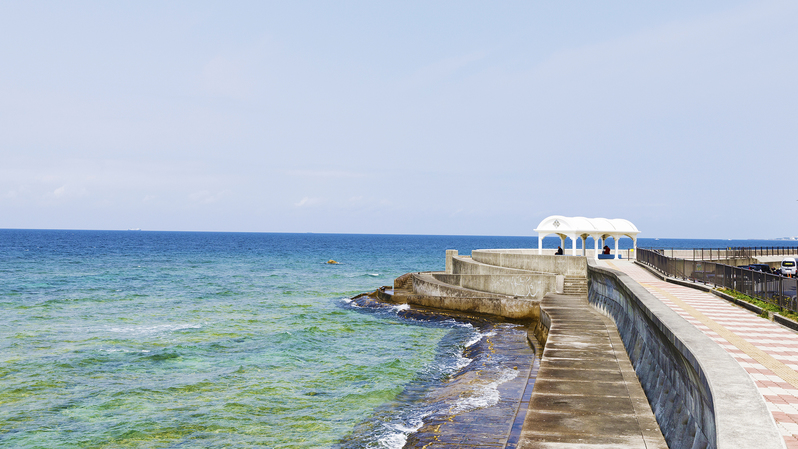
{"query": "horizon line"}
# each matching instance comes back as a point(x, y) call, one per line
point(376, 233)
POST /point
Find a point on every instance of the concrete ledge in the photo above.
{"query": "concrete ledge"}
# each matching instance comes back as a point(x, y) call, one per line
point(427, 284)
point(772, 316)
point(745, 305)
point(701, 396)
point(467, 265)
point(530, 260)
point(784, 321)
point(702, 287)
point(430, 292)
point(538, 331)
point(531, 285)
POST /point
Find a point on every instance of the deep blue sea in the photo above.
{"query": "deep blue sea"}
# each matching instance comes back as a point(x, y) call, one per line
point(177, 339)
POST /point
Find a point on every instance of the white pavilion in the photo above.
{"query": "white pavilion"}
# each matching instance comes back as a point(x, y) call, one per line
point(582, 228)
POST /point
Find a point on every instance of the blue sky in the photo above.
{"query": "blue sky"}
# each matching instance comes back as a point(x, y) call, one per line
point(476, 118)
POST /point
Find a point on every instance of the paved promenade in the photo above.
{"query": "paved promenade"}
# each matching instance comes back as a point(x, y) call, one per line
point(766, 350)
point(586, 393)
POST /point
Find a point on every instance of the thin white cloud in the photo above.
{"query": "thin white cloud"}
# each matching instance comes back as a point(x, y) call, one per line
point(66, 191)
point(307, 201)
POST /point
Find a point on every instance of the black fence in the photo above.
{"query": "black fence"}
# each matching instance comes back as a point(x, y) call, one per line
point(728, 253)
point(771, 288)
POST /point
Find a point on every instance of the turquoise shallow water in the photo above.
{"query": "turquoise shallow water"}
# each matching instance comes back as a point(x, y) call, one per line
point(146, 339)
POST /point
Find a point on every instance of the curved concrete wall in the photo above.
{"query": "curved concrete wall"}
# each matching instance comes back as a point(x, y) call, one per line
point(530, 260)
point(523, 285)
point(467, 265)
point(427, 284)
point(699, 394)
point(538, 332)
point(431, 292)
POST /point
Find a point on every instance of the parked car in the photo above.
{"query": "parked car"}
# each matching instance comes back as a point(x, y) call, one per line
point(788, 266)
point(763, 267)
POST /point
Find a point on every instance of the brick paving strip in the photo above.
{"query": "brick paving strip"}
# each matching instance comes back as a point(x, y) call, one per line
point(767, 351)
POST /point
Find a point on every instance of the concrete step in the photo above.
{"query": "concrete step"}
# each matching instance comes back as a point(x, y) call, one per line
point(404, 281)
point(575, 286)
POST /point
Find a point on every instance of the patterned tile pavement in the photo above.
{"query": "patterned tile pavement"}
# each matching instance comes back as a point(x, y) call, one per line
point(768, 352)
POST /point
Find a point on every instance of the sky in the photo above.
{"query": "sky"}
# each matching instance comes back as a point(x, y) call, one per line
point(412, 117)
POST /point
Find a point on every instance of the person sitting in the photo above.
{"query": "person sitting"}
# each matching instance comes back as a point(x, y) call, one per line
point(559, 251)
point(606, 249)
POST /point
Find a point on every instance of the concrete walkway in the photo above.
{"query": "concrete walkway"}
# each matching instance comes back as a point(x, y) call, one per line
point(586, 393)
point(767, 351)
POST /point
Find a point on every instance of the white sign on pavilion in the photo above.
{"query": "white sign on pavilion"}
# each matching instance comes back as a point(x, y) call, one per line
point(582, 228)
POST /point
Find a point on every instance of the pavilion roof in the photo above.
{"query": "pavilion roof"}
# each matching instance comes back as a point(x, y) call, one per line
point(581, 226)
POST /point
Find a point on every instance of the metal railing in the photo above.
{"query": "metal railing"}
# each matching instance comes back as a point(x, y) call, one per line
point(771, 288)
point(741, 252)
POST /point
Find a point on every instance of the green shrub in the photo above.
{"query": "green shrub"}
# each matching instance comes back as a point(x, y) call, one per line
point(765, 306)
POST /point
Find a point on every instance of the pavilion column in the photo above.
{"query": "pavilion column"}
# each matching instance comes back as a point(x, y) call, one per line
point(540, 244)
point(562, 243)
point(595, 247)
point(616, 246)
point(634, 245)
point(584, 242)
point(573, 245)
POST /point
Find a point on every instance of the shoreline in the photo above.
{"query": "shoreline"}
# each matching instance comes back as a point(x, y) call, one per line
point(483, 403)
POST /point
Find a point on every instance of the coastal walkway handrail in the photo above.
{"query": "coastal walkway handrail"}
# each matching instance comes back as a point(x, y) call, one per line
point(773, 289)
point(739, 252)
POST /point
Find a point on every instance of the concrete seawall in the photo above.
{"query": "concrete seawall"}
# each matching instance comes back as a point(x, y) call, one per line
point(699, 394)
point(425, 289)
point(468, 273)
point(527, 286)
point(525, 259)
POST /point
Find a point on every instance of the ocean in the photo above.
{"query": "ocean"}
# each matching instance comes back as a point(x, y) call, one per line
point(190, 339)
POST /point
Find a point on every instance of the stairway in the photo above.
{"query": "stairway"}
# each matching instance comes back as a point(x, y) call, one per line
point(575, 286)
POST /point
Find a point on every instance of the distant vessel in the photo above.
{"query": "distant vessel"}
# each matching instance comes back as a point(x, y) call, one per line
point(135, 229)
